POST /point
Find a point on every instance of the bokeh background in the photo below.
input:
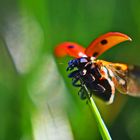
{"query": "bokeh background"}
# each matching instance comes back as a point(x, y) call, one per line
point(37, 100)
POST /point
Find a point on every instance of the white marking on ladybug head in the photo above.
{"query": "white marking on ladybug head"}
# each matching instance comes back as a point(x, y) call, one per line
point(82, 60)
point(80, 54)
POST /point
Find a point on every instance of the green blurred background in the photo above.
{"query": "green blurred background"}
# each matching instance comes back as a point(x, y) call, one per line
point(37, 100)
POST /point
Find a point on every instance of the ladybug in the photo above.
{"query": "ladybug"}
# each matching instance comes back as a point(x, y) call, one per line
point(100, 77)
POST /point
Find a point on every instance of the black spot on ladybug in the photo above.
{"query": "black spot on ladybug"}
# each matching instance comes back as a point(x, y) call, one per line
point(103, 42)
point(70, 47)
point(95, 54)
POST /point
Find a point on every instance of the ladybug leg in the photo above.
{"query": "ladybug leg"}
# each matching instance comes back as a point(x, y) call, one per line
point(70, 68)
point(82, 93)
point(99, 88)
point(74, 82)
point(74, 74)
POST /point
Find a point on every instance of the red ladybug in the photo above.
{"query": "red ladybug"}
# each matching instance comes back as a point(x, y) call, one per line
point(100, 77)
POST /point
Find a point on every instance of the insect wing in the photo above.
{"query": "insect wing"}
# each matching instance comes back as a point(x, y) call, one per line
point(119, 74)
point(134, 81)
point(125, 77)
point(69, 48)
point(105, 42)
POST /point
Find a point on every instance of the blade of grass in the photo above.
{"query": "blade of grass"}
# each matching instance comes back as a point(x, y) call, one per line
point(100, 123)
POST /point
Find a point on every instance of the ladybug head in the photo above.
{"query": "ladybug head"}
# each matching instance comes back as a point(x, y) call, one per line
point(78, 63)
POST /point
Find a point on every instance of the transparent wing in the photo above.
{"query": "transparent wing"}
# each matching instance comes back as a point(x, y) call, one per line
point(133, 81)
point(125, 77)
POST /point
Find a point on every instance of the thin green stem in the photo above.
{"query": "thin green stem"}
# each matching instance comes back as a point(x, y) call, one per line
point(100, 123)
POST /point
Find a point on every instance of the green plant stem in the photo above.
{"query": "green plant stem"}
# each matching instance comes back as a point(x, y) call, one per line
point(100, 123)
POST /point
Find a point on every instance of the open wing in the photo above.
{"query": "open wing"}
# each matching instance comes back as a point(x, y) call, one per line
point(69, 48)
point(96, 48)
point(105, 42)
point(125, 77)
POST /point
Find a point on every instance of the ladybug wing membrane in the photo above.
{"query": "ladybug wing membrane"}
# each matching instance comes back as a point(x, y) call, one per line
point(125, 77)
point(134, 80)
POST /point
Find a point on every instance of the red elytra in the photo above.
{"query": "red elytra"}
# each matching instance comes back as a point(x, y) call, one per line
point(96, 48)
point(105, 42)
point(69, 48)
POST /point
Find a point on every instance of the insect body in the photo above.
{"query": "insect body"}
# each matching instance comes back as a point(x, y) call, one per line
point(100, 77)
point(90, 75)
